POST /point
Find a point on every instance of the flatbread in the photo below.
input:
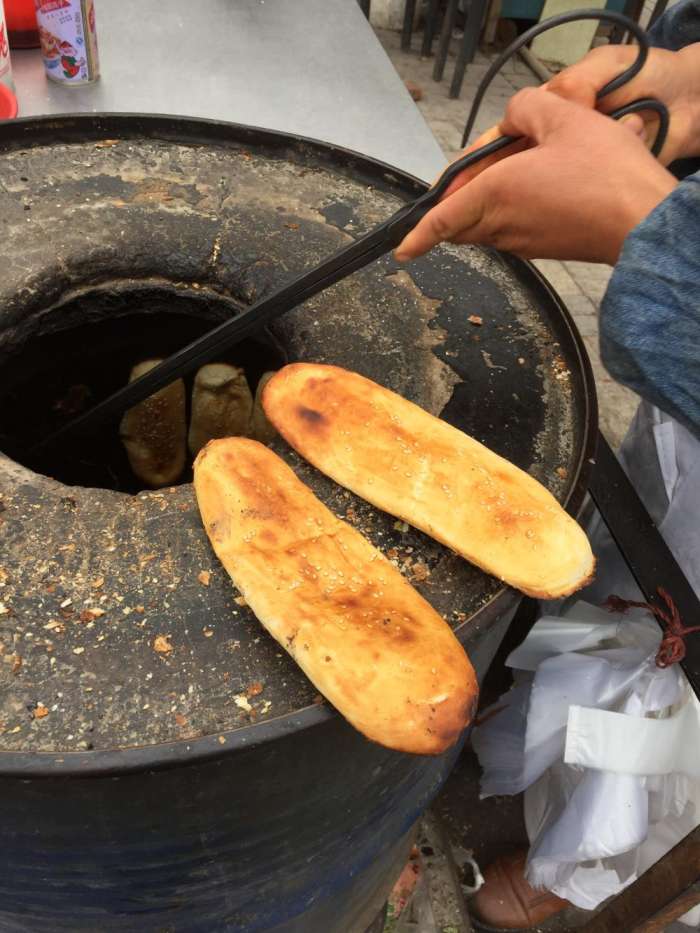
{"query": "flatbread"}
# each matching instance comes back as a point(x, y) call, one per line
point(368, 641)
point(153, 432)
point(222, 404)
point(422, 470)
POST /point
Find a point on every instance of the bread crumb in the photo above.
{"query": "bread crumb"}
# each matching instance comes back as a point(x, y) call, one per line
point(40, 711)
point(162, 645)
point(241, 700)
point(89, 615)
point(204, 576)
point(419, 572)
point(476, 320)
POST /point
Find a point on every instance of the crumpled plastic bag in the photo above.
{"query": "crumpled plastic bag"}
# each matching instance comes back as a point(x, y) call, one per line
point(605, 747)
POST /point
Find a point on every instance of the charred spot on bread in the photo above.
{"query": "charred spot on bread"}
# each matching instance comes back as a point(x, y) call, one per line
point(312, 417)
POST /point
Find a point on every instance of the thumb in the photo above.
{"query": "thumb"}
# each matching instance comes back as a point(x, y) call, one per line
point(468, 174)
point(453, 216)
point(635, 124)
point(535, 113)
point(581, 89)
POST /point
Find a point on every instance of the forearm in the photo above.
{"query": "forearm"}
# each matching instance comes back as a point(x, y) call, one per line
point(678, 27)
point(650, 316)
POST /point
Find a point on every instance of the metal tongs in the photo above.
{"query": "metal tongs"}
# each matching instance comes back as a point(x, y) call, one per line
point(379, 241)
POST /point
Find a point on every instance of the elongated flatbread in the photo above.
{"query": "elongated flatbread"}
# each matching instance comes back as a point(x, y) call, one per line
point(369, 642)
point(424, 471)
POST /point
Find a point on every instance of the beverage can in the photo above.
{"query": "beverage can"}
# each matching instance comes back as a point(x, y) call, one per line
point(20, 19)
point(68, 40)
point(5, 66)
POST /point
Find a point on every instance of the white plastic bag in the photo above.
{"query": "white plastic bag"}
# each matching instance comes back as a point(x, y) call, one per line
point(574, 733)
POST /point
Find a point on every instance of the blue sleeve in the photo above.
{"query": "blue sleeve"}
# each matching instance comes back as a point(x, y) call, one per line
point(650, 315)
point(678, 27)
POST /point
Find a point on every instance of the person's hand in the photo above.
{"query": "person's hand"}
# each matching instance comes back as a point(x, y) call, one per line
point(580, 187)
point(671, 77)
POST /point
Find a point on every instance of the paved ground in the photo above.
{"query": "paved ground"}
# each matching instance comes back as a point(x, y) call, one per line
point(580, 285)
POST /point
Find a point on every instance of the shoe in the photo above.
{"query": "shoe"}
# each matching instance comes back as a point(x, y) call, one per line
point(507, 901)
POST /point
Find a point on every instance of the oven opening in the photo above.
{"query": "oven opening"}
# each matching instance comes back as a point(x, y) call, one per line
point(76, 355)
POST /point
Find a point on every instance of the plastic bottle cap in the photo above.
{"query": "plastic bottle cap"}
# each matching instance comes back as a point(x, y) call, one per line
point(8, 103)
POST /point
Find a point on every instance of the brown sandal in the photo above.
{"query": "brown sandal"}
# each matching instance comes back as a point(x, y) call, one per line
point(507, 902)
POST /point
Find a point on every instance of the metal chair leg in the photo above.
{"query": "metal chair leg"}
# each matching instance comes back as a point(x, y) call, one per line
point(431, 16)
point(658, 10)
point(408, 16)
point(470, 40)
point(633, 9)
point(448, 24)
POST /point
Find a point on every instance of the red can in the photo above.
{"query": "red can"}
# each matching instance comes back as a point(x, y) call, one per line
point(8, 103)
point(5, 66)
point(20, 17)
point(68, 40)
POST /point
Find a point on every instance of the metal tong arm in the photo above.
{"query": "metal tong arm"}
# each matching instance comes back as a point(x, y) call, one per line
point(346, 261)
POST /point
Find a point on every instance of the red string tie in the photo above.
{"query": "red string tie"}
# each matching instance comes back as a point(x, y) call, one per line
point(672, 647)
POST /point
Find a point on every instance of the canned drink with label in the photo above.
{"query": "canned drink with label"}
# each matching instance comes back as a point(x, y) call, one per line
point(5, 67)
point(68, 40)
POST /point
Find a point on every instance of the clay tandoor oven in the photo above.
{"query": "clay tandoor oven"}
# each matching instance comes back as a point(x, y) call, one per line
point(164, 765)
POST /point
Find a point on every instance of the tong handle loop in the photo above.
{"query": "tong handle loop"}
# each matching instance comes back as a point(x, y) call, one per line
point(407, 217)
